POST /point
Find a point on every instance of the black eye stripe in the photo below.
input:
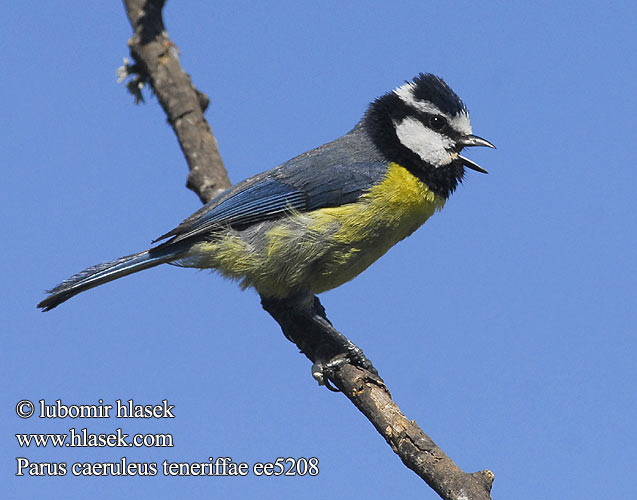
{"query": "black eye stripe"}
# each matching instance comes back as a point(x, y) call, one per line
point(397, 109)
point(437, 123)
point(425, 118)
point(404, 110)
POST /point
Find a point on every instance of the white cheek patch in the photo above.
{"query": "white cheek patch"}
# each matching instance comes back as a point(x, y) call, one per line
point(430, 146)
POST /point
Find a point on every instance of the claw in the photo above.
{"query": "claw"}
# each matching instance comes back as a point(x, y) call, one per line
point(322, 369)
point(318, 373)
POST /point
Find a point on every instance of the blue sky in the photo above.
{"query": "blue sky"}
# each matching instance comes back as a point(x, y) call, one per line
point(505, 326)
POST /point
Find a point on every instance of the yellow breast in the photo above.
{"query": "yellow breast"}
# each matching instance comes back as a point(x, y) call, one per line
point(316, 251)
point(391, 211)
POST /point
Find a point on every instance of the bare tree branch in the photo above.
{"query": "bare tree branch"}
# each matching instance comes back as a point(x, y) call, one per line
point(156, 63)
point(372, 397)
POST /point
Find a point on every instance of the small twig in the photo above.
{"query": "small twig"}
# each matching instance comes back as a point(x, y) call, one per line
point(156, 62)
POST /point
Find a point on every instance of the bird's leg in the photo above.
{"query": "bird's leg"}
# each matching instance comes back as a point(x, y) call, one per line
point(305, 323)
point(349, 352)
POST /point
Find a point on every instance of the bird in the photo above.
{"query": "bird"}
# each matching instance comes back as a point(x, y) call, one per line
point(318, 220)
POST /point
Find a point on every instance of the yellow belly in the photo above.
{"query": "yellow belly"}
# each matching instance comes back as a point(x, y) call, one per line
point(320, 250)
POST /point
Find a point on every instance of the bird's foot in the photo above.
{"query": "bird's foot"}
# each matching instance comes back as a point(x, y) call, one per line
point(322, 370)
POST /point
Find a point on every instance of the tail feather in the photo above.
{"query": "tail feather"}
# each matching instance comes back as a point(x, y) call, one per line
point(103, 273)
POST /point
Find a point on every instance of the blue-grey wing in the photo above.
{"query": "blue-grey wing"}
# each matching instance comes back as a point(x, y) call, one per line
point(299, 185)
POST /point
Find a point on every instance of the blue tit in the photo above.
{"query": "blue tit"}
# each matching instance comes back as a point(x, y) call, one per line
point(321, 218)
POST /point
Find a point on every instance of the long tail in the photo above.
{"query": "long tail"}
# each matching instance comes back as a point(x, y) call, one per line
point(107, 271)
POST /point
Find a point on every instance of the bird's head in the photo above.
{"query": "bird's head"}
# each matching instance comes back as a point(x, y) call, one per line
point(423, 125)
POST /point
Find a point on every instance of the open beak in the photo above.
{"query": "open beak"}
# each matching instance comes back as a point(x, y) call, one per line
point(468, 141)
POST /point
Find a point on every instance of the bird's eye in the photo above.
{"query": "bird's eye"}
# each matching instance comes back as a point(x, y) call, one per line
point(437, 122)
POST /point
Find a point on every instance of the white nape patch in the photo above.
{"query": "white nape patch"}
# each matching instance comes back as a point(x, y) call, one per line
point(460, 123)
point(431, 146)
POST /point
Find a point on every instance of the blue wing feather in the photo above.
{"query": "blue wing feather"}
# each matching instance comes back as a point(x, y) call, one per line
point(259, 200)
point(280, 190)
point(331, 175)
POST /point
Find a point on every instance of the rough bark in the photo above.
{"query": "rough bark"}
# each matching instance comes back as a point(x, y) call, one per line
point(157, 62)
